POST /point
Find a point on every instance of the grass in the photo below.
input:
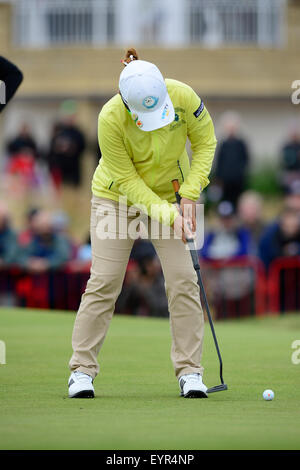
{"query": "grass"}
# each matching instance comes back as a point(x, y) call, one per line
point(137, 404)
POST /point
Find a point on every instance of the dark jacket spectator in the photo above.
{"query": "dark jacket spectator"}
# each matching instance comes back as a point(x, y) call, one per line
point(8, 240)
point(281, 238)
point(290, 160)
point(22, 142)
point(142, 249)
point(46, 249)
point(232, 159)
point(26, 235)
point(291, 154)
point(66, 149)
point(12, 77)
point(144, 292)
point(292, 196)
point(229, 240)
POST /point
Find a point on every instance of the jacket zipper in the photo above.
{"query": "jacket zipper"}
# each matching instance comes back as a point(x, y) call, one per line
point(156, 157)
point(178, 163)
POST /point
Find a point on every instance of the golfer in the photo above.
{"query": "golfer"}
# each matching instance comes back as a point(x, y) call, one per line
point(142, 136)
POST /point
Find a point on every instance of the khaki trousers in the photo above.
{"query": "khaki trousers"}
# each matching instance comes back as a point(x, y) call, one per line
point(109, 261)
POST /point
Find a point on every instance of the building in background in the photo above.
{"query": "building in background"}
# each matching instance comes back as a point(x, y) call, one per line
point(171, 23)
point(240, 55)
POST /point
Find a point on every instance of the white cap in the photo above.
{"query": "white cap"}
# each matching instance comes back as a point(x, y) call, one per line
point(144, 91)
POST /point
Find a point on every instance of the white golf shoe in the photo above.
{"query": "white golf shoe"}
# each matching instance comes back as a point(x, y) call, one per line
point(81, 385)
point(191, 386)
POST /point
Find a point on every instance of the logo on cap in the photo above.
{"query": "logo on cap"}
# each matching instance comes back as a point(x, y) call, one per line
point(150, 101)
point(165, 112)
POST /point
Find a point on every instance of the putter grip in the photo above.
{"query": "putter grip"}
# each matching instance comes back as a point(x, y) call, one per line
point(176, 187)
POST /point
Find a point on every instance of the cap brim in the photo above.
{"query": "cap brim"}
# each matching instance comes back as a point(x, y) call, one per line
point(150, 121)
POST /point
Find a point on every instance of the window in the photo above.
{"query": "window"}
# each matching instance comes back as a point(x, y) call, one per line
point(218, 22)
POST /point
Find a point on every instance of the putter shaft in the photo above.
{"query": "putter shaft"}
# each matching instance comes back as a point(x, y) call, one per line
point(195, 260)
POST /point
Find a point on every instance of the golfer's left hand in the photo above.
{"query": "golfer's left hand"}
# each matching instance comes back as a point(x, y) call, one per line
point(188, 209)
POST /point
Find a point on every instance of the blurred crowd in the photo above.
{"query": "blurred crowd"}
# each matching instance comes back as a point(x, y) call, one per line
point(45, 243)
point(238, 226)
point(58, 163)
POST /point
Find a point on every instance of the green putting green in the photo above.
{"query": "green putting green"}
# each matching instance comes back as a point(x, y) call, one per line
point(137, 404)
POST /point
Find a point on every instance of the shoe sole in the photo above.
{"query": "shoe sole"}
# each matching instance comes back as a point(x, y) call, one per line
point(84, 394)
point(195, 394)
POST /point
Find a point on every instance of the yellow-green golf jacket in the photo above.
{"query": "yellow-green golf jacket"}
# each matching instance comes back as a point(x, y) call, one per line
point(141, 165)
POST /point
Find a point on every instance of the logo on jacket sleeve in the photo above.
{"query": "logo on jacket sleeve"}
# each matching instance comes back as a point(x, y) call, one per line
point(199, 110)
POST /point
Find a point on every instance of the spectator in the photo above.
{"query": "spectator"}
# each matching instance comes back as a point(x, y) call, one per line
point(229, 240)
point(26, 235)
point(23, 141)
point(66, 148)
point(250, 212)
point(128, 300)
point(290, 158)
point(232, 160)
point(151, 288)
point(281, 238)
point(61, 225)
point(142, 248)
point(292, 197)
point(23, 170)
point(85, 251)
point(144, 292)
point(47, 249)
point(8, 239)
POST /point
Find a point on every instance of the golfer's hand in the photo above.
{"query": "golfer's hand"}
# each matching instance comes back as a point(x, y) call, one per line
point(182, 228)
point(188, 210)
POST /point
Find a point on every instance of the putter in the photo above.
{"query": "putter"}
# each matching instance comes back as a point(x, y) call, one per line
point(195, 259)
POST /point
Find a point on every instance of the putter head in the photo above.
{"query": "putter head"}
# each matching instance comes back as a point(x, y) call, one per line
point(217, 388)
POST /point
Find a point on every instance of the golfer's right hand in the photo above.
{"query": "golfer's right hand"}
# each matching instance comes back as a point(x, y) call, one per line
point(182, 228)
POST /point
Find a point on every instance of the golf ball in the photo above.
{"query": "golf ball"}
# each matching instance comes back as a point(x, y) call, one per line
point(268, 395)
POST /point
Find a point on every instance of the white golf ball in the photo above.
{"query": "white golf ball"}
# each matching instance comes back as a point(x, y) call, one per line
point(268, 395)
